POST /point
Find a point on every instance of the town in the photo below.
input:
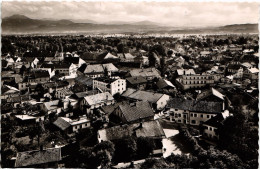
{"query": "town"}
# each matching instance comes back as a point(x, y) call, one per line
point(130, 101)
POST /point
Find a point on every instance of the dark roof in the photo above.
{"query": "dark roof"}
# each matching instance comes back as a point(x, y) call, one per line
point(136, 80)
point(74, 60)
point(109, 108)
point(40, 74)
point(142, 95)
point(215, 121)
point(136, 111)
point(29, 158)
point(164, 84)
point(61, 66)
point(61, 123)
point(84, 80)
point(195, 106)
point(148, 129)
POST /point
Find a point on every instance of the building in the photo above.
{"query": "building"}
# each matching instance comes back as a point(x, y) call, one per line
point(211, 126)
point(251, 74)
point(113, 86)
point(137, 82)
point(68, 125)
point(63, 93)
point(194, 81)
point(157, 100)
point(148, 73)
point(91, 102)
point(192, 112)
point(48, 158)
point(134, 112)
point(99, 70)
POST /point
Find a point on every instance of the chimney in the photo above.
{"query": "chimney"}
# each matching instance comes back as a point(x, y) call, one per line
point(141, 125)
point(41, 148)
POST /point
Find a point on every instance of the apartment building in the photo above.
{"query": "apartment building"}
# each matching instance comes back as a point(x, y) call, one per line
point(193, 81)
point(111, 85)
point(192, 112)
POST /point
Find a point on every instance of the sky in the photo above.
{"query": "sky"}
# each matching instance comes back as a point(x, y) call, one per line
point(167, 13)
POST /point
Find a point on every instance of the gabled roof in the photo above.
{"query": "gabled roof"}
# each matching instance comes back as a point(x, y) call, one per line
point(51, 104)
point(136, 111)
point(148, 129)
point(185, 72)
point(110, 56)
point(145, 96)
point(162, 83)
point(210, 92)
point(62, 123)
point(29, 158)
point(98, 98)
point(253, 70)
point(195, 106)
point(110, 67)
point(96, 68)
point(66, 92)
point(215, 121)
point(136, 80)
point(145, 72)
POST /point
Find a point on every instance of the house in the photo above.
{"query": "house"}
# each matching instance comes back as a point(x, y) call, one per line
point(91, 102)
point(48, 158)
point(157, 100)
point(181, 72)
point(51, 107)
point(39, 77)
point(165, 84)
point(137, 82)
point(192, 112)
point(195, 81)
point(114, 86)
point(94, 71)
point(148, 73)
point(8, 91)
point(251, 73)
point(68, 125)
point(212, 95)
point(211, 126)
point(151, 129)
point(55, 86)
point(63, 93)
point(62, 68)
point(134, 112)
point(83, 83)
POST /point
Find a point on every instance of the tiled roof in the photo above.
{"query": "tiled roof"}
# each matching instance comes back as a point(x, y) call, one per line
point(98, 98)
point(136, 111)
point(62, 123)
point(145, 96)
point(148, 129)
point(96, 68)
point(195, 106)
point(136, 80)
point(162, 83)
point(215, 121)
point(110, 67)
point(30, 158)
point(145, 72)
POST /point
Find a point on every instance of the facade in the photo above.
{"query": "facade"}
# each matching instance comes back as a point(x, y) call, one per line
point(192, 112)
point(194, 81)
point(89, 103)
point(113, 86)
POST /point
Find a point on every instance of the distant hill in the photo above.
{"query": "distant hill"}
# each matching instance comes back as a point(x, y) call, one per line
point(20, 24)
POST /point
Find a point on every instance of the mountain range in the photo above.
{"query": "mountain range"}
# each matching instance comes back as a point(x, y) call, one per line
point(20, 24)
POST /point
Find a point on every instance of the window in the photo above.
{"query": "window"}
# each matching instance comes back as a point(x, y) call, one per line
point(201, 115)
point(176, 115)
point(179, 115)
point(195, 115)
point(193, 121)
point(176, 109)
point(210, 128)
point(191, 114)
point(179, 121)
point(208, 116)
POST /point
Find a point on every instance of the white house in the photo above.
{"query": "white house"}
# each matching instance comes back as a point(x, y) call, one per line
point(110, 85)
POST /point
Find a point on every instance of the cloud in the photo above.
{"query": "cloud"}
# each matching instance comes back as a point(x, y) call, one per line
point(170, 13)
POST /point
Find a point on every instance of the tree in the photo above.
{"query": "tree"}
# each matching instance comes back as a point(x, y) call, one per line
point(145, 146)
